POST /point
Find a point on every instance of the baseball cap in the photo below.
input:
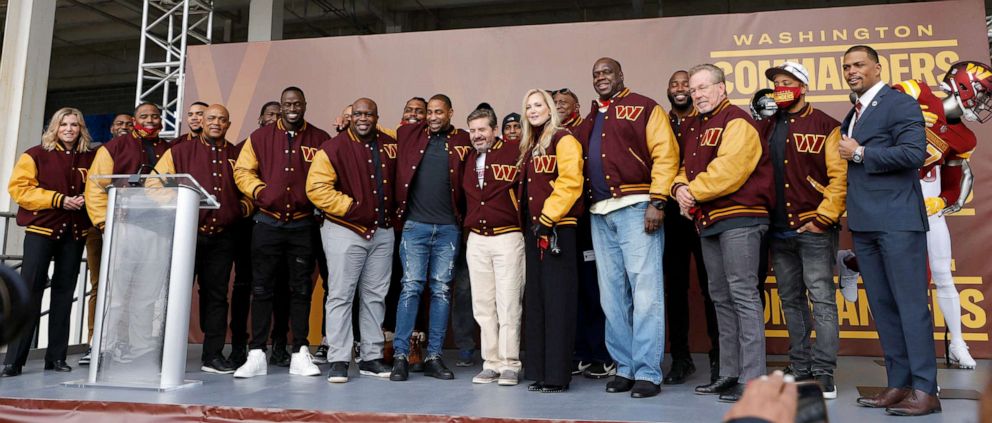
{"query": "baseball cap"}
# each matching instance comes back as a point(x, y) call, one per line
point(792, 69)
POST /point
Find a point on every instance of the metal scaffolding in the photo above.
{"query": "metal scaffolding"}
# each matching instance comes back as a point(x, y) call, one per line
point(167, 28)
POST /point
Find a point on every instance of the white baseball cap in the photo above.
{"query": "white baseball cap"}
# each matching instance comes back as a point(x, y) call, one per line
point(792, 69)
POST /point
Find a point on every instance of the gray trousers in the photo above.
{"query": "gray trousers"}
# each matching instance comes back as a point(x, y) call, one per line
point(805, 264)
point(355, 263)
point(732, 264)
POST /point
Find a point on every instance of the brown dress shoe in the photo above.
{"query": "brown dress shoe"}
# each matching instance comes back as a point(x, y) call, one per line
point(885, 398)
point(917, 403)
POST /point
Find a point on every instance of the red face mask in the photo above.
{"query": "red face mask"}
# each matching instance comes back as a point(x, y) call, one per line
point(147, 131)
point(785, 97)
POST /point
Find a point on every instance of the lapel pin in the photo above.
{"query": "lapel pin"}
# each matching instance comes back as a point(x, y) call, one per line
point(874, 103)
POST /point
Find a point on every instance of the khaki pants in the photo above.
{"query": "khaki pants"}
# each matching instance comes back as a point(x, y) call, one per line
point(94, 247)
point(496, 270)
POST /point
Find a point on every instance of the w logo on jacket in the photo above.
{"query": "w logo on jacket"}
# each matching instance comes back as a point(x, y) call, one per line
point(462, 150)
point(545, 164)
point(629, 112)
point(711, 137)
point(390, 150)
point(505, 173)
point(232, 162)
point(809, 143)
point(308, 153)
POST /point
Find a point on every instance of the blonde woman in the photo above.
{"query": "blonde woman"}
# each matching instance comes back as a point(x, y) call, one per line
point(47, 184)
point(551, 159)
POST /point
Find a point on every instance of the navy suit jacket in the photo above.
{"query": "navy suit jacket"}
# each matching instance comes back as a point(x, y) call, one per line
point(883, 192)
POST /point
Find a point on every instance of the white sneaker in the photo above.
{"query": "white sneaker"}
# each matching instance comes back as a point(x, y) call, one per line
point(959, 355)
point(848, 277)
point(254, 366)
point(301, 363)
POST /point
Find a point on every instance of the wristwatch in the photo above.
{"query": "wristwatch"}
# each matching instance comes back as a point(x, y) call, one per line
point(859, 155)
point(658, 204)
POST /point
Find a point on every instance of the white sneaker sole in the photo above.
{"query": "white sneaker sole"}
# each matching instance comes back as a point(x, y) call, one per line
point(505, 382)
point(337, 379)
point(209, 369)
point(311, 372)
point(249, 375)
point(482, 381)
point(384, 375)
point(830, 395)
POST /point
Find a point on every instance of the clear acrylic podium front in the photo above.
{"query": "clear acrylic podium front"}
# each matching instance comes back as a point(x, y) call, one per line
point(146, 279)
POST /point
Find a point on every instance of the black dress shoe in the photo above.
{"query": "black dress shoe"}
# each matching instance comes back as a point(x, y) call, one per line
point(58, 366)
point(218, 365)
point(681, 370)
point(733, 393)
point(280, 357)
point(10, 370)
point(721, 384)
point(619, 384)
point(644, 389)
point(435, 368)
point(535, 387)
point(401, 369)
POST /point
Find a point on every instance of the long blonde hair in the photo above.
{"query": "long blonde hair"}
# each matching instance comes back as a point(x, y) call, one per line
point(51, 136)
point(527, 142)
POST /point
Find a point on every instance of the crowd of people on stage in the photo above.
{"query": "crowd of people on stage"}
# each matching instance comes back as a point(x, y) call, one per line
point(567, 234)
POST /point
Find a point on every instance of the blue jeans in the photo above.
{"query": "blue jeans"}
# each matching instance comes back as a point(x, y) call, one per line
point(427, 252)
point(631, 291)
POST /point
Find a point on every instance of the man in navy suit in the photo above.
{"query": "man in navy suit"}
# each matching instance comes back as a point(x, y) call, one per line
point(885, 145)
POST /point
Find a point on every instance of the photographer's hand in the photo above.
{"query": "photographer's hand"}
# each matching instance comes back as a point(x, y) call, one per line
point(771, 398)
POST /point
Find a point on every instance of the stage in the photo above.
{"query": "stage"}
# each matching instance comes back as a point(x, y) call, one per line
point(38, 395)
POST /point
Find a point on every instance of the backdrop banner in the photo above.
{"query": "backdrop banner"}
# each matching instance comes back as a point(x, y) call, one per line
point(498, 65)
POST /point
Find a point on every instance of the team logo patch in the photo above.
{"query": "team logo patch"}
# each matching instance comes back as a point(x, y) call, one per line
point(629, 112)
point(809, 143)
point(462, 150)
point(506, 173)
point(308, 153)
point(390, 150)
point(711, 137)
point(545, 164)
point(83, 173)
point(232, 162)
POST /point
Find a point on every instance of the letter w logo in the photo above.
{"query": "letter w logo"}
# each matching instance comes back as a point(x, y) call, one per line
point(629, 112)
point(545, 164)
point(232, 162)
point(506, 173)
point(711, 137)
point(462, 150)
point(390, 150)
point(809, 143)
point(308, 153)
point(83, 173)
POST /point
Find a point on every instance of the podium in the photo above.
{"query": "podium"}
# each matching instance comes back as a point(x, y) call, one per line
point(146, 280)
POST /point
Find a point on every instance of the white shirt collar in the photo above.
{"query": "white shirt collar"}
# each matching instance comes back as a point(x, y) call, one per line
point(869, 95)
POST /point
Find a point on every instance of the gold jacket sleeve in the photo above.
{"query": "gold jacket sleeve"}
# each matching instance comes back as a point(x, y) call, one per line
point(165, 166)
point(568, 185)
point(24, 189)
point(95, 195)
point(664, 153)
point(735, 159)
point(835, 194)
point(246, 171)
point(320, 187)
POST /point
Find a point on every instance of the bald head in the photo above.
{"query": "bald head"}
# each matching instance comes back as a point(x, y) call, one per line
point(216, 121)
point(607, 77)
point(364, 118)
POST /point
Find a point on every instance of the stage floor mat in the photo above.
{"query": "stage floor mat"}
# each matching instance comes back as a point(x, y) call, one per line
point(281, 397)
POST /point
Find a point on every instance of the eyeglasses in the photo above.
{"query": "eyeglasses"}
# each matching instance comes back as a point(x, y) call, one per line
point(561, 91)
point(702, 88)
